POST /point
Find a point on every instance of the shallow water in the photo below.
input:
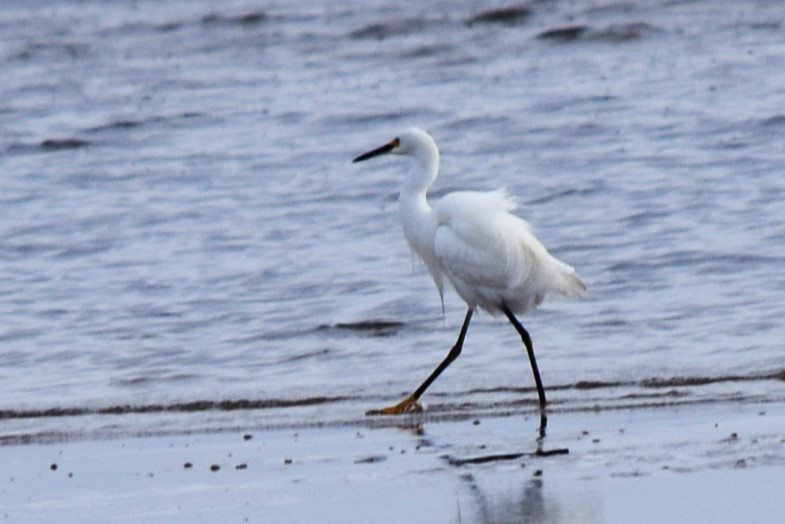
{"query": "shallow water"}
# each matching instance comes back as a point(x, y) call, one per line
point(181, 224)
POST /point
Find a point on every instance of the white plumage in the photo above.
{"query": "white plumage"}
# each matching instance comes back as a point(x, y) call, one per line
point(492, 258)
point(489, 255)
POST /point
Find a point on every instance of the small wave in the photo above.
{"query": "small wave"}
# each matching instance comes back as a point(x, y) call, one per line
point(116, 125)
point(564, 33)
point(622, 32)
point(707, 380)
point(376, 328)
point(303, 356)
point(564, 193)
point(646, 383)
point(614, 33)
point(85, 249)
point(502, 401)
point(504, 15)
point(382, 30)
point(177, 407)
point(53, 50)
point(229, 405)
point(248, 19)
point(766, 25)
point(58, 144)
point(210, 20)
point(777, 120)
point(426, 51)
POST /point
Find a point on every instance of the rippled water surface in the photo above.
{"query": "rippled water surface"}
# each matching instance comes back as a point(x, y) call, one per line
point(182, 229)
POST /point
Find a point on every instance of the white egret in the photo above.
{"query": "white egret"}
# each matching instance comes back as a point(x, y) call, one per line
point(489, 255)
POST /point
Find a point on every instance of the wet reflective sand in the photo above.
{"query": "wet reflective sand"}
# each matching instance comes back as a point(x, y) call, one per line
point(697, 462)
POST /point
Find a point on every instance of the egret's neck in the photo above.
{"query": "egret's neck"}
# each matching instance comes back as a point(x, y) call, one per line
point(416, 213)
point(423, 172)
point(412, 203)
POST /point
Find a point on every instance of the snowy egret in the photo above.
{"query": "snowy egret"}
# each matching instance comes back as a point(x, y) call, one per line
point(489, 255)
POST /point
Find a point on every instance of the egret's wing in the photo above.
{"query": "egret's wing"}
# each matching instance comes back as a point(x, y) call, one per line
point(476, 240)
point(495, 253)
point(467, 263)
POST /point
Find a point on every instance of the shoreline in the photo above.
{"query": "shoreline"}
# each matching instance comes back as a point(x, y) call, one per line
point(640, 464)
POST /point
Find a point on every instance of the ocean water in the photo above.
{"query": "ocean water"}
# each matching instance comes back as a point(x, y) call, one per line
point(184, 242)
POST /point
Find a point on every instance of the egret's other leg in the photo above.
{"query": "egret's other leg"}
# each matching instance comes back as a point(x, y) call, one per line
point(410, 404)
point(527, 341)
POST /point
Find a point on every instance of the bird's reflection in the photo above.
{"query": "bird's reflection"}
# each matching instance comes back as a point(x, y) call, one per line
point(530, 507)
point(543, 426)
point(527, 505)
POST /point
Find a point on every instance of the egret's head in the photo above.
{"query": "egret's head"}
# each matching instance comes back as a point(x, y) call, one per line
point(413, 142)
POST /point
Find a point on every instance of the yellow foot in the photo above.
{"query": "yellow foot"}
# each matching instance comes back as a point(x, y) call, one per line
point(407, 405)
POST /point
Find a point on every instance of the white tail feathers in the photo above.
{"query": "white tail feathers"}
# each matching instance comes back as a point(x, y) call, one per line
point(570, 284)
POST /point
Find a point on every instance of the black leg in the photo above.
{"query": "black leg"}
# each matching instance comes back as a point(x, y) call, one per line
point(541, 429)
point(451, 356)
point(527, 341)
point(410, 403)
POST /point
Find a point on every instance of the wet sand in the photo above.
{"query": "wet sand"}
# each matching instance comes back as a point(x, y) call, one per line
point(703, 462)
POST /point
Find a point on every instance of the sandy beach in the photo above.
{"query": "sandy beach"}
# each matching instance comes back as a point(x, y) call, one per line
point(705, 462)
